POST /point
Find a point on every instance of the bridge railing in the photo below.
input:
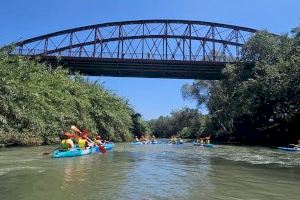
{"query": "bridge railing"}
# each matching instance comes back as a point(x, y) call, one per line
point(131, 56)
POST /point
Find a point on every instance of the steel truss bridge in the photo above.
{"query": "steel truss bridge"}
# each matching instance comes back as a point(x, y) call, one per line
point(144, 48)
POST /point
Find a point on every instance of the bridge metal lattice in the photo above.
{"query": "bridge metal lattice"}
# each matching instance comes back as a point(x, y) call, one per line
point(143, 48)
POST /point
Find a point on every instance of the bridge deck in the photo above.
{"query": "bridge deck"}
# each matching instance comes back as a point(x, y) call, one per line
point(140, 68)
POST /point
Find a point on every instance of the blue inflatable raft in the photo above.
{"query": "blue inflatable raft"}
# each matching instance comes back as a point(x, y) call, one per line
point(79, 152)
point(109, 146)
point(289, 148)
point(138, 143)
point(204, 145)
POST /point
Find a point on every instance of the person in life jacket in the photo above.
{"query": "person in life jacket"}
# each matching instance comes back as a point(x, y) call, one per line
point(98, 140)
point(66, 143)
point(143, 139)
point(153, 139)
point(136, 139)
point(82, 142)
point(207, 139)
point(200, 139)
point(173, 139)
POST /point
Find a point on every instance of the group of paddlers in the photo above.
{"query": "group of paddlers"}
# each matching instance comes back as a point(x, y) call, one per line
point(174, 140)
point(146, 139)
point(203, 139)
point(83, 141)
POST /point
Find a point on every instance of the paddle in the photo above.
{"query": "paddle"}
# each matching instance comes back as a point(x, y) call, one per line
point(101, 147)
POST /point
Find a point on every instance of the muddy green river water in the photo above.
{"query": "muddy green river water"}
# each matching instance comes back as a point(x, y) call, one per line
point(159, 171)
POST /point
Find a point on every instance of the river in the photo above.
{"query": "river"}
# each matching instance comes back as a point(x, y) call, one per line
point(158, 171)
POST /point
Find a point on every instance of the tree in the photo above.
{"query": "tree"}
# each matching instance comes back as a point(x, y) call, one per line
point(139, 126)
point(185, 123)
point(259, 94)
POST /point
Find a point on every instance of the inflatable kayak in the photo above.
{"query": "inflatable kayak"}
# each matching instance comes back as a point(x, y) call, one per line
point(171, 143)
point(109, 146)
point(289, 148)
point(136, 143)
point(80, 152)
point(74, 152)
point(204, 145)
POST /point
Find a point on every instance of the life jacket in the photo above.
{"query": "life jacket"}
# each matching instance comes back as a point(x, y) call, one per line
point(81, 143)
point(66, 144)
point(97, 142)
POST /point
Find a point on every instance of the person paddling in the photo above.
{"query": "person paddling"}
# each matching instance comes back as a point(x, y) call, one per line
point(200, 139)
point(98, 140)
point(207, 139)
point(83, 142)
point(173, 139)
point(100, 143)
point(66, 142)
point(295, 145)
point(153, 139)
point(143, 139)
point(179, 140)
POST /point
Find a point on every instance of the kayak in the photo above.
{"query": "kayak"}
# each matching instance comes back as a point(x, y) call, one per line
point(74, 152)
point(80, 152)
point(137, 143)
point(204, 145)
point(289, 148)
point(171, 143)
point(109, 146)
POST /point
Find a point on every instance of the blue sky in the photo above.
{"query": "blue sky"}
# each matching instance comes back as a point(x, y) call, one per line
point(22, 19)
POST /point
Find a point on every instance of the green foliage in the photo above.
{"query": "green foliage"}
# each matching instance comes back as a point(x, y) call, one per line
point(38, 102)
point(139, 127)
point(260, 93)
point(185, 123)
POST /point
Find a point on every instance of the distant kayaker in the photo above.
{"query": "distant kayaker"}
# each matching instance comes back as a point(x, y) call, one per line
point(153, 139)
point(179, 140)
point(66, 142)
point(136, 139)
point(173, 139)
point(207, 139)
point(200, 139)
point(295, 145)
point(143, 139)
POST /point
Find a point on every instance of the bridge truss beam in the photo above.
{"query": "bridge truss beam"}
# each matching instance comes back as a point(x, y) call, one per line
point(132, 48)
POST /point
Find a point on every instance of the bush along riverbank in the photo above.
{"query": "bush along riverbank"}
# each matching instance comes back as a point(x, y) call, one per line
point(258, 100)
point(38, 102)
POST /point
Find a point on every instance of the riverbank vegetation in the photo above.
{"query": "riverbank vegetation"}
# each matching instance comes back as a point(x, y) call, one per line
point(184, 123)
point(38, 102)
point(258, 99)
